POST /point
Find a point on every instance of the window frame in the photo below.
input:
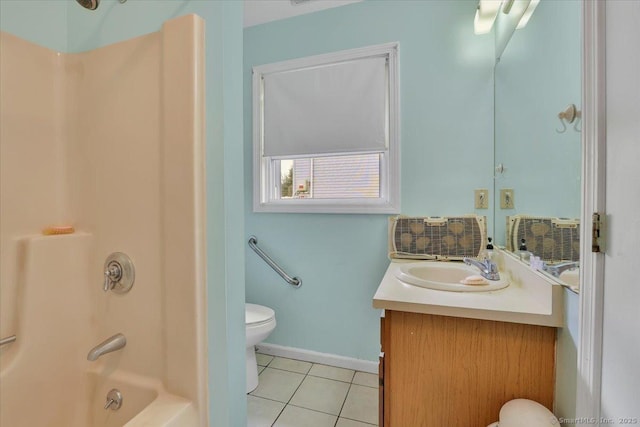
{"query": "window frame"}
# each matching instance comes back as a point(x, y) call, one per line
point(265, 176)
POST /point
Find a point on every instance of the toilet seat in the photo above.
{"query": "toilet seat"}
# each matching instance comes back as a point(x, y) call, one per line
point(526, 413)
point(256, 315)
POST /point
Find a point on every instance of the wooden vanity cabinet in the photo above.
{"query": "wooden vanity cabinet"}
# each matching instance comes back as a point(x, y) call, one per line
point(438, 371)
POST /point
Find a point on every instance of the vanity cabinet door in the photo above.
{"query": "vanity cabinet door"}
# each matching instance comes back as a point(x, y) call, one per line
point(382, 404)
point(381, 391)
point(448, 371)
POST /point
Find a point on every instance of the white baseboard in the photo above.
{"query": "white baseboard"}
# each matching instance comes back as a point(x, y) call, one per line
point(317, 357)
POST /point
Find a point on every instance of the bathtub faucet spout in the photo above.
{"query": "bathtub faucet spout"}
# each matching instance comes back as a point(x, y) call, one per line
point(113, 343)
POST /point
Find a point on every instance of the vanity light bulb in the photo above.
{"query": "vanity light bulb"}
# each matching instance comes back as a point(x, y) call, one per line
point(527, 14)
point(481, 26)
point(485, 16)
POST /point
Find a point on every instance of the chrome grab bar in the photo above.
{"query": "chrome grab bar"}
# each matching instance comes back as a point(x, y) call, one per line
point(7, 340)
point(293, 281)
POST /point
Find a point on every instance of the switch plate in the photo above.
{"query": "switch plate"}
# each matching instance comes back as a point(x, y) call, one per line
point(506, 198)
point(481, 198)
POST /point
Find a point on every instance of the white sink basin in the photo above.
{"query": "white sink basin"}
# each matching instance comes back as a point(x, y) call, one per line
point(445, 276)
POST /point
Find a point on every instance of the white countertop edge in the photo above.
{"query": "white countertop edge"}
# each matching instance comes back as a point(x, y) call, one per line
point(470, 313)
point(543, 308)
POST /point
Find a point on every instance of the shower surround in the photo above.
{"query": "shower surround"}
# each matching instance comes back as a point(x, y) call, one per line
point(110, 141)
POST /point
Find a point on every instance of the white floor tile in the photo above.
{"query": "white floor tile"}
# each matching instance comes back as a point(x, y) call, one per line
point(343, 422)
point(277, 385)
point(263, 359)
point(262, 412)
point(292, 416)
point(331, 372)
point(321, 394)
point(260, 369)
point(290, 365)
point(364, 378)
point(361, 404)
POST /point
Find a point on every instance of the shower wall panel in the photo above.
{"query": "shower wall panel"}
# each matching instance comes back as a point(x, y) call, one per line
point(32, 164)
point(110, 141)
point(114, 158)
point(137, 155)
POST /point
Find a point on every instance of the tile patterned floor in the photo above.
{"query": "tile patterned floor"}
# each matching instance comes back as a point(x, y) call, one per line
point(293, 393)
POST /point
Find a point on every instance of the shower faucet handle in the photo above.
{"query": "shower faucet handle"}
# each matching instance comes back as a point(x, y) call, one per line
point(112, 275)
point(119, 273)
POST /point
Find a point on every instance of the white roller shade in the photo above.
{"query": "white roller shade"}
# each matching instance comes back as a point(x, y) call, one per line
point(331, 108)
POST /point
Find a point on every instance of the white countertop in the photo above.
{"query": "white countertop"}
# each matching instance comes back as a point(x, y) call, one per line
point(530, 298)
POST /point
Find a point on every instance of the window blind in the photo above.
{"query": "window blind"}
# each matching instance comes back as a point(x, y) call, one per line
point(333, 108)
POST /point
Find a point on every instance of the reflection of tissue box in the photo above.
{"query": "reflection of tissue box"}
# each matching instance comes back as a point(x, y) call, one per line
point(552, 239)
point(447, 238)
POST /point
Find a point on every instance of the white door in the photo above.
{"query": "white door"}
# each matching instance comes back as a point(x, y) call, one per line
point(620, 381)
point(608, 388)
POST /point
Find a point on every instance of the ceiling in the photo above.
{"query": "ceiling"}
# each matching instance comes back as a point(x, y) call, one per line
point(261, 11)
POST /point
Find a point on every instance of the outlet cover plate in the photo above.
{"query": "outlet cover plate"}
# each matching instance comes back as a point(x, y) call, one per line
point(481, 198)
point(506, 198)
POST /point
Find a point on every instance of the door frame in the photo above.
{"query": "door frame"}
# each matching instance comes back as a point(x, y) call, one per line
point(589, 363)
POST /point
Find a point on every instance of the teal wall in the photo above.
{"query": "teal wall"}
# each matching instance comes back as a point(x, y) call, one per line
point(538, 75)
point(446, 103)
point(113, 22)
point(43, 22)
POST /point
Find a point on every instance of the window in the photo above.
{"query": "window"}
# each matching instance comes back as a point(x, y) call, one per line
point(325, 133)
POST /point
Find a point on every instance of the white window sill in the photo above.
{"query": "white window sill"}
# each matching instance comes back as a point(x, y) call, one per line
point(317, 206)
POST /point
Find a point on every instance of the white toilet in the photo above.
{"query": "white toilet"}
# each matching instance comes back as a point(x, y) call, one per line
point(525, 413)
point(260, 321)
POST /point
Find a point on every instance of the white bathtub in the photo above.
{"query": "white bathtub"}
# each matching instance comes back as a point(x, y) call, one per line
point(145, 402)
point(45, 378)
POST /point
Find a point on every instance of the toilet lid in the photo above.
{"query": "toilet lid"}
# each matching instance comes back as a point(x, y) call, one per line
point(255, 313)
point(526, 413)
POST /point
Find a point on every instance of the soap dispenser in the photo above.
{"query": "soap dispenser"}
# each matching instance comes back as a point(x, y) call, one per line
point(523, 253)
point(489, 249)
point(523, 245)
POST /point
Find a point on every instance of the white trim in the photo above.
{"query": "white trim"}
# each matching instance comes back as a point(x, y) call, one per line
point(317, 357)
point(346, 206)
point(259, 178)
point(389, 201)
point(327, 58)
point(588, 398)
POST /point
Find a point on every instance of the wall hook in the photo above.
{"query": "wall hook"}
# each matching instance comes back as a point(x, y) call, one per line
point(570, 115)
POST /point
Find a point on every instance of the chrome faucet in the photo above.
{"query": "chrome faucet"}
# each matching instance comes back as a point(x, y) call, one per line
point(557, 269)
point(113, 343)
point(488, 269)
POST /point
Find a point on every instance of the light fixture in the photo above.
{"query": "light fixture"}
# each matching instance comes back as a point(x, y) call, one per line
point(485, 16)
point(487, 12)
point(507, 5)
point(527, 13)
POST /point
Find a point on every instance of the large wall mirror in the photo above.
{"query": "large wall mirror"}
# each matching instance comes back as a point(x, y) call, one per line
point(538, 136)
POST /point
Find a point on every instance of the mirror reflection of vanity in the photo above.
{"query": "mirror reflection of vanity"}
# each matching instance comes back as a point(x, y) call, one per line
point(537, 135)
